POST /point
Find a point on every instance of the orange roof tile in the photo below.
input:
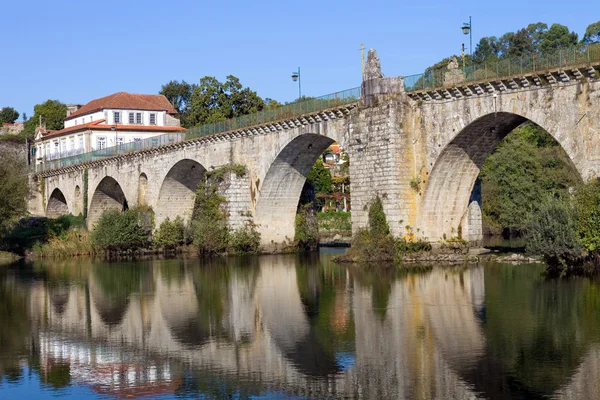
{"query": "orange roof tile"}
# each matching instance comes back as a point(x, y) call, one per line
point(96, 125)
point(124, 100)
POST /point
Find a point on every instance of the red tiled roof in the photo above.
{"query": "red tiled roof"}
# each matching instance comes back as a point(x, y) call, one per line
point(15, 124)
point(124, 100)
point(97, 126)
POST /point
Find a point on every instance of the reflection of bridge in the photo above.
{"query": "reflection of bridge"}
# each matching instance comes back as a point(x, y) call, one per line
point(436, 133)
point(260, 327)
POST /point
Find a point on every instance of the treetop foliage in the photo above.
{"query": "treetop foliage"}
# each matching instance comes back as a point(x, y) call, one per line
point(8, 115)
point(52, 113)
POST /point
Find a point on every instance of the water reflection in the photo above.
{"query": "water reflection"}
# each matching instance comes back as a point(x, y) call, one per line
point(297, 326)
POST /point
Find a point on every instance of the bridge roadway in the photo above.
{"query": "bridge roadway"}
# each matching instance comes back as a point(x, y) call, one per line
point(420, 150)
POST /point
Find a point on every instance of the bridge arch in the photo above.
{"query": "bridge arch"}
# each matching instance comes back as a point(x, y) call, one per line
point(57, 204)
point(280, 191)
point(447, 205)
point(107, 196)
point(178, 189)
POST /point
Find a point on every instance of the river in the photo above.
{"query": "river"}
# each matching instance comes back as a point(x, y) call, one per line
point(294, 326)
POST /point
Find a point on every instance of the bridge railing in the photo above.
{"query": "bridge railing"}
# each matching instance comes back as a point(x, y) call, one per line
point(527, 64)
point(284, 112)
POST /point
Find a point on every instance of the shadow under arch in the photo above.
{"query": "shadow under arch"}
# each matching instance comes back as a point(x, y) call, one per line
point(108, 196)
point(447, 194)
point(280, 191)
point(57, 204)
point(178, 190)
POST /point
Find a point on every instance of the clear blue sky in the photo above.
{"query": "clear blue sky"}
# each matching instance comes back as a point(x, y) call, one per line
point(75, 51)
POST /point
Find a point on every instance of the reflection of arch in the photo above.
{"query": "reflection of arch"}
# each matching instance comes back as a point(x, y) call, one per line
point(107, 196)
point(143, 190)
point(452, 179)
point(59, 297)
point(177, 192)
point(57, 205)
point(77, 209)
point(280, 191)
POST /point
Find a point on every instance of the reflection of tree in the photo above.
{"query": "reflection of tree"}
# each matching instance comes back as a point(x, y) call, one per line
point(380, 281)
point(536, 331)
point(14, 328)
point(326, 303)
point(115, 283)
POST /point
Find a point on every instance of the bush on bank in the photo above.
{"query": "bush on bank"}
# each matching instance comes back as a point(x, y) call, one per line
point(376, 244)
point(118, 231)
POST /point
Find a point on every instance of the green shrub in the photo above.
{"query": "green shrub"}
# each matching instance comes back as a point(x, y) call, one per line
point(245, 240)
point(306, 229)
point(170, 234)
point(121, 231)
point(553, 233)
point(71, 243)
point(334, 221)
point(209, 222)
point(587, 204)
point(377, 221)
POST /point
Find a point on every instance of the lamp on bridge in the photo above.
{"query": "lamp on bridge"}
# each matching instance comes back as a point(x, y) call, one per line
point(466, 28)
point(296, 77)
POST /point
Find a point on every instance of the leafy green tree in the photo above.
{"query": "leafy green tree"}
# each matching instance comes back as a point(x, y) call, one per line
point(592, 33)
point(13, 190)
point(271, 104)
point(320, 178)
point(209, 221)
point(8, 115)
point(170, 234)
point(556, 37)
point(520, 43)
point(536, 32)
point(178, 94)
point(553, 232)
point(120, 231)
point(213, 101)
point(486, 50)
point(587, 203)
point(52, 114)
point(377, 220)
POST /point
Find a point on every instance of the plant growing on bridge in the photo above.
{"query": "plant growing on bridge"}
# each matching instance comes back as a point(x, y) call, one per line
point(306, 229)
point(209, 221)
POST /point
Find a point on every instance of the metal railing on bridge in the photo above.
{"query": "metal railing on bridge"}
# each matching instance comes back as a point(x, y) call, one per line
point(288, 111)
point(518, 66)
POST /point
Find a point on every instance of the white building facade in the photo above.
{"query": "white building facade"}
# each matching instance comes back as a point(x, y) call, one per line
point(106, 122)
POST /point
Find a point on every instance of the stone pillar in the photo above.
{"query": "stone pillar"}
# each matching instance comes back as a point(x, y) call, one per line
point(379, 150)
point(35, 198)
point(472, 223)
point(236, 191)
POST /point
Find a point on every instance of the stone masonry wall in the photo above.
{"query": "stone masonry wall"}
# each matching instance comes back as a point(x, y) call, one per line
point(236, 189)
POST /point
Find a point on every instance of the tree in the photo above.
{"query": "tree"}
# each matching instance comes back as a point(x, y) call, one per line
point(520, 43)
point(8, 115)
point(320, 178)
point(592, 33)
point(13, 190)
point(486, 50)
point(536, 32)
point(52, 114)
point(271, 104)
point(556, 37)
point(178, 94)
point(213, 101)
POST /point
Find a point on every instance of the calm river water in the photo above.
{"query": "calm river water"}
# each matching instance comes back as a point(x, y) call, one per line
point(294, 327)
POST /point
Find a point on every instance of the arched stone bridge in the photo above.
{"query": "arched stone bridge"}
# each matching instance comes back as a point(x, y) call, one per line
point(420, 151)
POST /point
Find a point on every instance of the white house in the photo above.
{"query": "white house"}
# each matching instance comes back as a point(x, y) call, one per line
point(105, 122)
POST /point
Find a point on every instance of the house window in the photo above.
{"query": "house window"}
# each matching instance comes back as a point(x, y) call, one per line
point(137, 139)
point(119, 140)
point(117, 117)
point(56, 150)
point(131, 118)
point(72, 144)
point(138, 118)
point(152, 119)
point(47, 149)
point(100, 142)
point(81, 142)
point(63, 145)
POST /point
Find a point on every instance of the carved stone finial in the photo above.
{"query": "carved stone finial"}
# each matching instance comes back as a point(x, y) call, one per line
point(373, 66)
point(453, 64)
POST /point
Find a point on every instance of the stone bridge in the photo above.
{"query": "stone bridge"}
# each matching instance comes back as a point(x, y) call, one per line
point(419, 150)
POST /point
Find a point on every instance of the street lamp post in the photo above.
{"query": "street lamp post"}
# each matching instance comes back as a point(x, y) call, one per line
point(467, 30)
point(296, 77)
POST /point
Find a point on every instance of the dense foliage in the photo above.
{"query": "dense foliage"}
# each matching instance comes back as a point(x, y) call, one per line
point(170, 234)
point(118, 231)
point(51, 114)
point(8, 115)
point(13, 190)
point(212, 100)
point(526, 165)
point(306, 229)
